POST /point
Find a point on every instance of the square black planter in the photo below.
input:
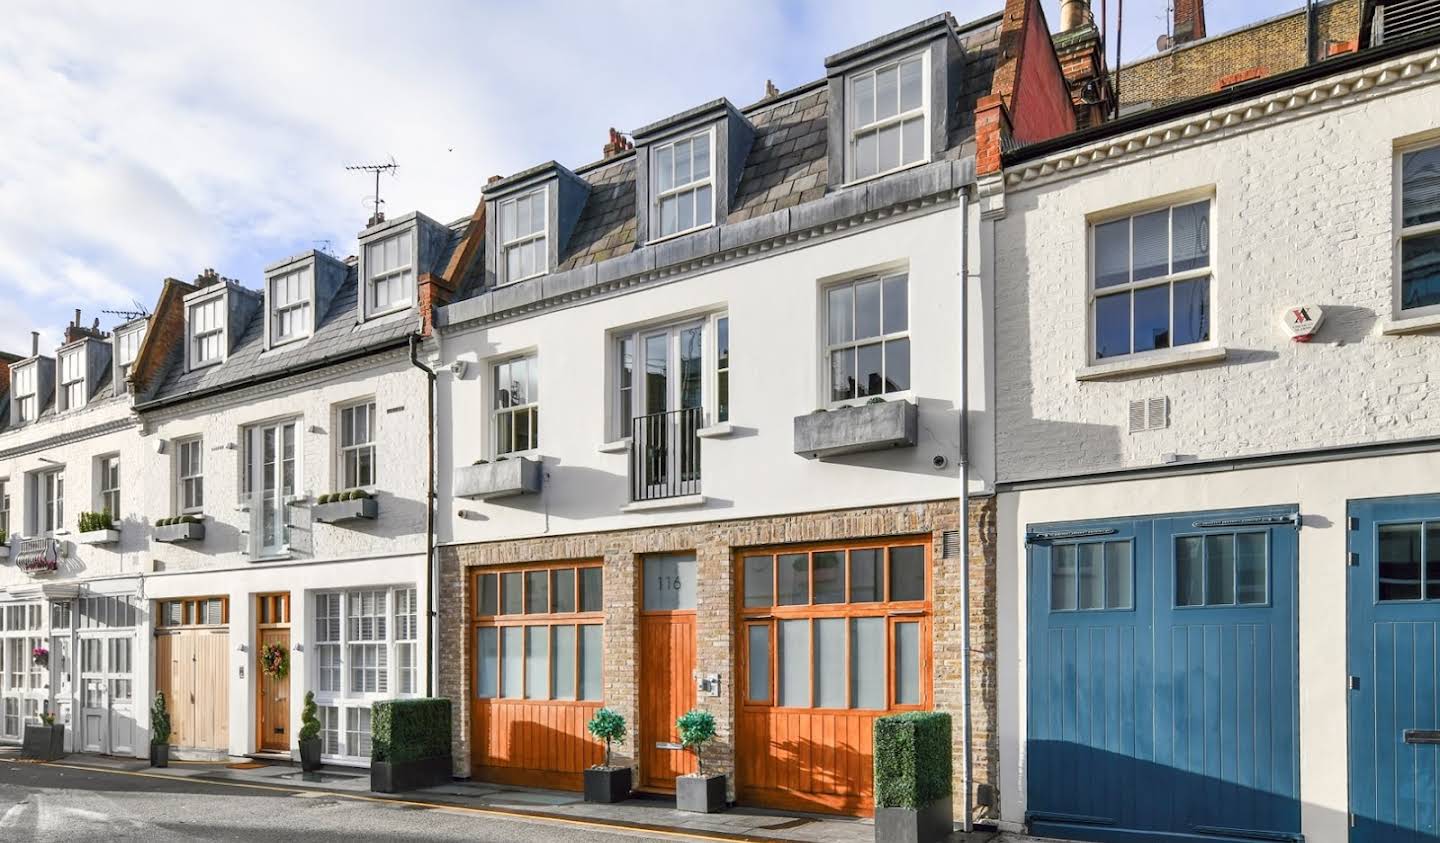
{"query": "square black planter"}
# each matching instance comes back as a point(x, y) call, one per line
point(43, 743)
point(930, 824)
point(607, 784)
point(398, 776)
point(310, 755)
point(700, 794)
point(159, 755)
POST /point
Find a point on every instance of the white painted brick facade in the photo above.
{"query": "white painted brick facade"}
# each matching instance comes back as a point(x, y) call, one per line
point(1302, 215)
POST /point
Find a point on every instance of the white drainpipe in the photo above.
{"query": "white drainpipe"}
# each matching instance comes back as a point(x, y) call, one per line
point(966, 821)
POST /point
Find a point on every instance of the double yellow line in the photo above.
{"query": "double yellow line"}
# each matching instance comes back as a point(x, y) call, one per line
point(612, 825)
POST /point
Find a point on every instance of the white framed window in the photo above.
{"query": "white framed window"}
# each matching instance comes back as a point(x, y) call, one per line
point(366, 648)
point(47, 496)
point(515, 415)
point(72, 379)
point(207, 332)
point(1150, 279)
point(888, 117)
point(867, 337)
point(27, 398)
point(107, 470)
point(127, 348)
point(357, 446)
point(190, 475)
point(664, 368)
point(290, 305)
point(722, 368)
point(270, 472)
point(524, 243)
point(1417, 286)
point(684, 184)
point(5, 508)
point(390, 273)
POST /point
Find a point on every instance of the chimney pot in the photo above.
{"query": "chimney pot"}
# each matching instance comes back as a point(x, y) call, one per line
point(770, 89)
point(617, 144)
point(1074, 14)
point(493, 179)
point(34, 343)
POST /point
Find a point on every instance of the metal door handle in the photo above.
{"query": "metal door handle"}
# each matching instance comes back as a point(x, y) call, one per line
point(1428, 736)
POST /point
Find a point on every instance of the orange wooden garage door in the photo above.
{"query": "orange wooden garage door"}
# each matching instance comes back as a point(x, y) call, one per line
point(537, 674)
point(831, 637)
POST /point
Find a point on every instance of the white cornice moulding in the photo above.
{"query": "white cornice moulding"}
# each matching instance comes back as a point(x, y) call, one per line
point(1415, 69)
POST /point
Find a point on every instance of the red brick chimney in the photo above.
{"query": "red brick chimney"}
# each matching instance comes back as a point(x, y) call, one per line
point(1189, 21)
point(1082, 61)
point(6, 361)
point(618, 143)
point(75, 331)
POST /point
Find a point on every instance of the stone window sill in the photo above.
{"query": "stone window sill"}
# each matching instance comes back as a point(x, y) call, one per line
point(715, 431)
point(1410, 325)
point(665, 503)
point(619, 446)
point(1150, 362)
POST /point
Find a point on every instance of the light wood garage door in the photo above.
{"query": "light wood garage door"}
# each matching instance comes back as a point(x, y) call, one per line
point(191, 670)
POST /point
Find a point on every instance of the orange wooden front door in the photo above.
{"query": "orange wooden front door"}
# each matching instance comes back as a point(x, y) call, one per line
point(272, 692)
point(667, 690)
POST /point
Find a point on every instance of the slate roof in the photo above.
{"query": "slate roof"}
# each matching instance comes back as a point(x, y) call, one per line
point(336, 337)
point(787, 165)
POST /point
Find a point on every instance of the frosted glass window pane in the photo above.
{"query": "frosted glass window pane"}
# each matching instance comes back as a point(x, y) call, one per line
point(757, 687)
point(795, 663)
point(1152, 244)
point(591, 653)
point(1191, 235)
point(537, 662)
point(829, 576)
point(793, 579)
point(537, 592)
point(591, 590)
point(907, 573)
point(830, 663)
point(669, 582)
point(759, 588)
point(489, 594)
point(563, 664)
point(512, 666)
point(1092, 595)
point(1062, 578)
point(867, 576)
point(1250, 574)
point(867, 663)
point(1189, 571)
point(563, 587)
point(1219, 570)
point(1112, 253)
point(907, 664)
point(512, 594)
point(1119, 585)
point(486, 676)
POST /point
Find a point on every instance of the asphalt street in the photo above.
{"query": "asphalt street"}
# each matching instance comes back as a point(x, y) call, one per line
point(43, 803)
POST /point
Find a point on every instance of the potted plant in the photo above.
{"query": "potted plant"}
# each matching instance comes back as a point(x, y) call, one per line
point(913, 769)
point(309, 735)
point(606, 783)
point(44, 741)
point(159, 732)
point(339, 507)
point(180, 528)
point(409, 744)
point(97, 528)
point(40, 656)
point(697, 792)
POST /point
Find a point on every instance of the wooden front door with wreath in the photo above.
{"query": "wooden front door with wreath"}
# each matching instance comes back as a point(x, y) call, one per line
point(272, 672)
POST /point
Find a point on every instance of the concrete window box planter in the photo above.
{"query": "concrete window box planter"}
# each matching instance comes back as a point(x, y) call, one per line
point(853, 430)
point(338, 512)
point(4, 551)
point(43, 742)
point(185, 531)
point(98, 537)
point(700, 794)
point(500, 479)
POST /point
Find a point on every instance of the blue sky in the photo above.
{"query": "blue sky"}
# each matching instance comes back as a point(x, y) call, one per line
point(140, 140)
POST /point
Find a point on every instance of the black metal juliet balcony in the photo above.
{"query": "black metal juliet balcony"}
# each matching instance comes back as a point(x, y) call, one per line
point(665, 455)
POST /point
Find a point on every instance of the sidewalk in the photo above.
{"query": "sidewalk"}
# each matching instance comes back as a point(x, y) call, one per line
point(638, 814)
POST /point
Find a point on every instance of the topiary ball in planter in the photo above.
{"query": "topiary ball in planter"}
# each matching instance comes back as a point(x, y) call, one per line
point(309, 735)
point(697, 792)
point(913, 771)
point(605, 783)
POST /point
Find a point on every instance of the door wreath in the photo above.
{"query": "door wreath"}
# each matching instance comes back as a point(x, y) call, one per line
point(275, 660)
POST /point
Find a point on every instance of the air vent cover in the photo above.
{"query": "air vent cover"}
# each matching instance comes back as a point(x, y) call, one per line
point(950, 544)
point(1149, 414)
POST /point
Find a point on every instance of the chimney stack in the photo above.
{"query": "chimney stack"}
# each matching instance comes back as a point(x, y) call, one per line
point(770, 90)
point(1074, 14)
point(618, 143)
point(1189, 21)
point(74, 331)
point(34, 343)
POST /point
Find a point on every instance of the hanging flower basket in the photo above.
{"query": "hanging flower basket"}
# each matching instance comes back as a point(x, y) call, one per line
point(275, 661)
point(40, 656)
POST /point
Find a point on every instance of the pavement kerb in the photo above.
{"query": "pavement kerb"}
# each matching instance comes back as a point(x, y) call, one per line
point(507, 813)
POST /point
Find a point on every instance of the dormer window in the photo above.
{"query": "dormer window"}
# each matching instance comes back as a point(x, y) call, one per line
point(127, 348)
point(390, 273)
point(523, 227)
point(207, 332)
point(27, 394)
point(290, 303)
point(72, 379)
point(685, 193)
point(887, 117)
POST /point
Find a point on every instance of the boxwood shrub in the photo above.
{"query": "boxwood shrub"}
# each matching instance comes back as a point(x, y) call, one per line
point(410, 730)
point(912, 759)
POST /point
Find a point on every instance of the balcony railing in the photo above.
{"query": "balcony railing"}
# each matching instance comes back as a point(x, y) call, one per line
point(665, 455)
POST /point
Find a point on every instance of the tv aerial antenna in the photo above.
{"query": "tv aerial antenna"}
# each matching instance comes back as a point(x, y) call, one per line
point(136, 312)
point(376, 204)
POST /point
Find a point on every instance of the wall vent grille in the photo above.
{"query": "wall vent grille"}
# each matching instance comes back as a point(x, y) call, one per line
point(1149, 414)
point(950, 544)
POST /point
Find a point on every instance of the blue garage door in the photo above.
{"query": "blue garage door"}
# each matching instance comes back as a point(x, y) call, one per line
point(1394, 597)
point(1162, 678)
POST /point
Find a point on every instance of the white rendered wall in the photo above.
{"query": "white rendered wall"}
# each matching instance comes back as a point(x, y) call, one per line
point(774, 305)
